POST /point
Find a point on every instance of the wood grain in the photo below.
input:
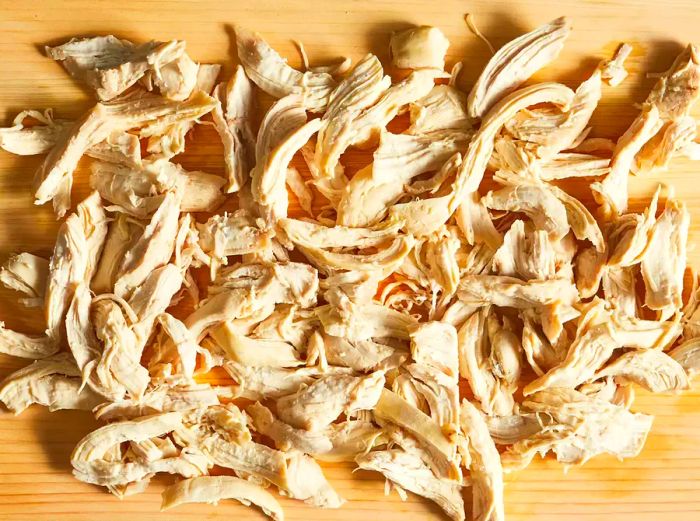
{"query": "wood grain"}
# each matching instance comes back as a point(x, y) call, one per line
point(35, 481)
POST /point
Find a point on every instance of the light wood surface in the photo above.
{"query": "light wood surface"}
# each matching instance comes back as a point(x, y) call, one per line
point(35, 480)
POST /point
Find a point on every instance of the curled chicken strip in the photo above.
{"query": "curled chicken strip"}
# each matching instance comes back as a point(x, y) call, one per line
point(511, 292)
point(319, 404)
point(27, 274)
point(153, 249)
point(410, 472)
point(212, 489)
point(664, 262)
point(653, 370)
point(140, 191)
point(282, 133)
point(266, 68)
point(515, 62)
point(89, 457)
point(74, 259)
point(485, 466)
point(232, 120)
point(53, 382)
point(110, 65)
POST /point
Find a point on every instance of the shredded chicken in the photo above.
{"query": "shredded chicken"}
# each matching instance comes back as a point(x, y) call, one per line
point(439, 314)
point(515, 62)
point(212, 489)
point(418, 48)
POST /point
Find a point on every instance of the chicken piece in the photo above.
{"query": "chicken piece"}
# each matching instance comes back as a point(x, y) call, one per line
point(553, 131)
point(619, 288)
point(319, 404)
point(443, 451)
point(410, 472)
point(385, 260)
point(686, 354)
point(632, 332)
point(583, 224)
point(179, 398)
point(485, 467)
point(435, 372)
point(283, 132)
point(312, 235)
point(150, 300)
point(419, 48)
point(177, 355)
point(507, 430)
point(504, 291)
point(356, 321)
point(223, 436)
point(110, 65)
point(27, 274)
point(307, 483)
point(670, 141)
point(122, 233)
point(170, 141)
point(118, 147)
point(573, 164)
point(590, 269)
point(525, 253)
point(337, 442)
point(152, 249)
point(140, 191)
point(74, 260)
point(443, 108)
point(269, 71)
point(262, 382)
point(84, 344)
point(231, 234)
point(288, 323)
point(26, 346)
point(541, 354)
point(119, 367)
point(245, 289)
point(478, 339)
point(361, 355)
point(255, 352)
point(577, 428)
point(653, 370)
point(613, 71)
point(630, 235)
point(232, 120)
point(538, 202)
point(594, 344)
point(53, 382)
point(397, 161)
point(611, 192)
point(357, 92)
point(146, 111)
point(89, 457)
point(212, 489)
point(354, 117)
point(515, 62)
point(475, 222)
point(175, 80)
point(31, 140)
point(679, 88)
point(664, 262)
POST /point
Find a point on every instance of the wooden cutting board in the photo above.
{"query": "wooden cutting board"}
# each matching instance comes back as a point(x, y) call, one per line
point(35, 481)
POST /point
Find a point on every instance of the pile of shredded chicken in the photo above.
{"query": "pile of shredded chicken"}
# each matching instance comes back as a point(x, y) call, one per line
point(407, 319)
